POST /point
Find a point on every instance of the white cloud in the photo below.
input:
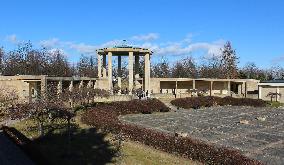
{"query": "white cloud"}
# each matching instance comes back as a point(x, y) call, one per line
point(53, 51)
point(12, 38)
point(188, 38)
point(83, 48)
point(185, 48)
point(277, 60)
point(111, 43)
point(145, 37)
point(182, 47)
point(210, 48)
point(50, 43)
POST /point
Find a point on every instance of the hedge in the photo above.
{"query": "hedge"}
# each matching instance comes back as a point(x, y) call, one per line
point(208, 101)
point(105, 117)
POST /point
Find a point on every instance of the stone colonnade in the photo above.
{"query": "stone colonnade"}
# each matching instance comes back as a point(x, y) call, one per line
point(59, 85)
point(132, 71)
point(210, 85)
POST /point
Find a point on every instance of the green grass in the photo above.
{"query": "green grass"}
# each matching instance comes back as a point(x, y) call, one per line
point(275, 104)
point(88, 146)
point(135, 153)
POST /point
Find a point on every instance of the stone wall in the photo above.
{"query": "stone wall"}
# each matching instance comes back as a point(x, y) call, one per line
point(266, 89)
point(21, 87)
point(102, 83)
point(115, 98)
point(252, 85)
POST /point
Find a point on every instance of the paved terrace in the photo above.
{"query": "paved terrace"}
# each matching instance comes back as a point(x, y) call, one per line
point(261, 140)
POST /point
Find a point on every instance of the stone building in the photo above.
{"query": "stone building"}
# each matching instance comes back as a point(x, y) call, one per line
point(31, 87)
point(165, 87)
point(186, 87)
point(273, 88)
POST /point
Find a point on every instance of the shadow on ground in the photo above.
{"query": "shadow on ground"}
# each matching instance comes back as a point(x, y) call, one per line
point(59, 146)
point(86, 146)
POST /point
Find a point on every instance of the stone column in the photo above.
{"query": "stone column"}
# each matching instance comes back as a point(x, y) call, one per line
point(176, 88)
point(99, 66)
point(245, 85)
point(71, 86)
point(119, 74)
point(110, 87)
point(81, 85)
point(239, 89)
point(104, 66)
point(137, 66)
point(59, 87)
point(147, 72)
point(193, 84)
point(30, 91)
point(277, 92)
point(96, 84)
point(90, 84)
point(211, 87)
point(259, 92)
point(130, 71)
point(229, 88)
point(43, 87)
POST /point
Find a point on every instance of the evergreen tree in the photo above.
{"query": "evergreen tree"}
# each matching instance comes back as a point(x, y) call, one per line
point(229, 61)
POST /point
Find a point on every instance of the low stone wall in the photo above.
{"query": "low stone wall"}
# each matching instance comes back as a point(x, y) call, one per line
point(115, 98)
point(252, 96)
point(162, 95)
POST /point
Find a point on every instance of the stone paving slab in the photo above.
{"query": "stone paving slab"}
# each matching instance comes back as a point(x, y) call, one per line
point(261, 140)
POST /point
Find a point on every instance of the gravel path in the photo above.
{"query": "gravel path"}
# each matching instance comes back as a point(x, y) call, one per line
point(259, 139)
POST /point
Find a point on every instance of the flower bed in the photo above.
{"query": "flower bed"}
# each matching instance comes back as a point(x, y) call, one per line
point(105, 117)
point(208, 101)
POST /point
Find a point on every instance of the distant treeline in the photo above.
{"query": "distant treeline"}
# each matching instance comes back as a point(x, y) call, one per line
point(221, 66)
point(26, 60)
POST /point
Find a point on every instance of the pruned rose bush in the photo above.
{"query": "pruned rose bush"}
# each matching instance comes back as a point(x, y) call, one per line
point(185, 146)
point(105, 117)
point(208, 101)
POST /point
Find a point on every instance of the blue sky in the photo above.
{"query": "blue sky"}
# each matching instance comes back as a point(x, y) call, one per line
point(173, 29)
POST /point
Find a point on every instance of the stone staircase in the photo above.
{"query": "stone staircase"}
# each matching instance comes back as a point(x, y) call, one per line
point(167, 102)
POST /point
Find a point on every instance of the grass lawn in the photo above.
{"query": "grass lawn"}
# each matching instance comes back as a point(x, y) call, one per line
point(89, 146)
point(275, 104)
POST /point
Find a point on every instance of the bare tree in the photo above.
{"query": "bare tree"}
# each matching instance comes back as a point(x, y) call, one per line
point(276, 72)
point(185, 68)
point(2, 53)
point(8, 98)
point(87, 66)
point(58, 64)
point(251, 71)
point(211, 68)
point(161, 69)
